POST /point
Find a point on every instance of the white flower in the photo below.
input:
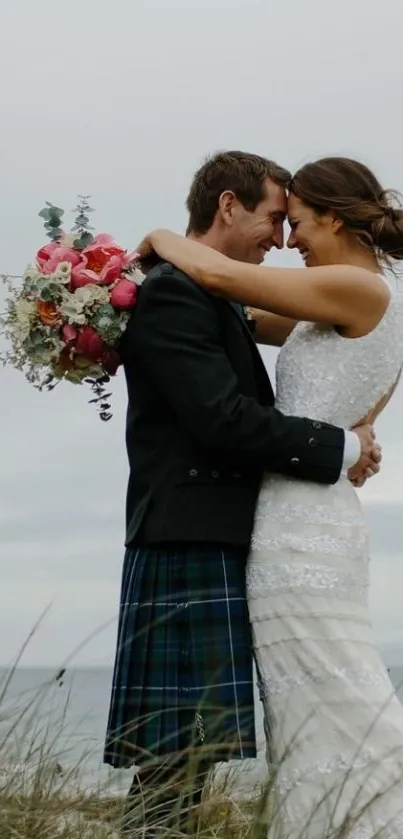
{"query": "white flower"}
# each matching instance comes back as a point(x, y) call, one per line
point(32, 274)
point(91, 294)
point(71, 309)
point(24, 308)
point(25, 314)
point(124, 320)
point(137, 276)
point(76, 307)
point(62, 273)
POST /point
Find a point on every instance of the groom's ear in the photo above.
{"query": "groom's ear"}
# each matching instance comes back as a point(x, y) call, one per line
point(226, 206)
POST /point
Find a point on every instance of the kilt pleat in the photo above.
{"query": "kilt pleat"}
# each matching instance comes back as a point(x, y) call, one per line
point(183, 668)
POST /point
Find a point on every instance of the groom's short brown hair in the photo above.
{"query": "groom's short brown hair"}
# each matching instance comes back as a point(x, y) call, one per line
point(242, 173)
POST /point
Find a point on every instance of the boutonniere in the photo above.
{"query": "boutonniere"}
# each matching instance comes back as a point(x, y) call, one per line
point(250, 318)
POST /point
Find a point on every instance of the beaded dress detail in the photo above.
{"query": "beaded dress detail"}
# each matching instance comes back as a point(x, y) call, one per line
point(335, 725)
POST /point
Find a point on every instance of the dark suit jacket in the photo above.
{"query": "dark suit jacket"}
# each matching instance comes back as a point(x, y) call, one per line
point(201, 426)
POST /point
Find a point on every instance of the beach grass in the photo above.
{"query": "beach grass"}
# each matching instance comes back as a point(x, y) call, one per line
point(44, 812)
point(75, 817)
point(42, 799)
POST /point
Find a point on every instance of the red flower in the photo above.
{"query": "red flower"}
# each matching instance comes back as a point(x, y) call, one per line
point(90, 344)
point(69, 333)
point(123, 296)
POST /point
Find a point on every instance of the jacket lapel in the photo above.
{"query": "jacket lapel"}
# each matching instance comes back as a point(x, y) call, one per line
point(266, 389)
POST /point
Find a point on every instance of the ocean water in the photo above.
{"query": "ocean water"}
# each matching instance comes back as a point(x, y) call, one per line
point(69, 715)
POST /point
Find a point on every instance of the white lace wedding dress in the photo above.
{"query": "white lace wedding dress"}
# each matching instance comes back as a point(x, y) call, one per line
point(336, 726)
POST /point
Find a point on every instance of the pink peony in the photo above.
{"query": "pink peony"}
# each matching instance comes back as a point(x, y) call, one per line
point(69, 333)
point(102, 240)
point(107, 258)
point(90, 344)
point(100, 251)
point(49, 257)
point(123, 296)
point(112, 270)
point(46, 251)
point(81, 276)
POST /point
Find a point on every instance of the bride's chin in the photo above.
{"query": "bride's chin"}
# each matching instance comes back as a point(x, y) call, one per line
point(309, 262)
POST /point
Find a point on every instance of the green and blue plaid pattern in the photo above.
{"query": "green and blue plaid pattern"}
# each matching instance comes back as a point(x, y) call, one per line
point(183, 671)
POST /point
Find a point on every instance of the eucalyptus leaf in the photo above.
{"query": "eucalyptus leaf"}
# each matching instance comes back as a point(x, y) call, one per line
point(55, 290)
point(53, 233)
point(106, 310)
point(54, 209)
point(46, 294)
point(52, 216)
point(83, 241)
point(36, 338)
point(52, 228)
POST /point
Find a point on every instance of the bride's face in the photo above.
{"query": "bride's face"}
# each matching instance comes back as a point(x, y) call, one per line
point(313, 235)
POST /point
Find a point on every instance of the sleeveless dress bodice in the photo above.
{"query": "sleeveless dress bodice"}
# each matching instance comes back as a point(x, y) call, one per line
point(320, 374)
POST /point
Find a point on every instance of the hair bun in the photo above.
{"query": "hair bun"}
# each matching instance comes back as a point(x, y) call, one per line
point(387, 231)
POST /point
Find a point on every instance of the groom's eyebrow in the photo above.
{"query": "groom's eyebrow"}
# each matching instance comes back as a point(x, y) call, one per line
point(279, 214)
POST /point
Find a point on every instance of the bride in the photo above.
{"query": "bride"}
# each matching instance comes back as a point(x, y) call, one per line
point(335, 727)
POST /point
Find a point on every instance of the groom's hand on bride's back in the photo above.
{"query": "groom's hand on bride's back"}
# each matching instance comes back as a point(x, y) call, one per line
point(371, 456)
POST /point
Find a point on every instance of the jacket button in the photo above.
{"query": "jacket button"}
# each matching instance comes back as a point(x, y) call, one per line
point(295, 461)
point(193, 473)
point(317, 425)
point(312, 441)
point(215, 474)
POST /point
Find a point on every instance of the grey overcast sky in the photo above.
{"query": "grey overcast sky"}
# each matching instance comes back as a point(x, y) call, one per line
point(122, 100)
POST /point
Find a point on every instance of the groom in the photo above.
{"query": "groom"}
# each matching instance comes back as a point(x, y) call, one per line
point(201, 430)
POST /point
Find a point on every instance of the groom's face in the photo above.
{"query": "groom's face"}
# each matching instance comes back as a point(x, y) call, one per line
point(252, 234)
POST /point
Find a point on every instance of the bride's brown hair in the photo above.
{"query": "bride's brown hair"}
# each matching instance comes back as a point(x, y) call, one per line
point(350, 190)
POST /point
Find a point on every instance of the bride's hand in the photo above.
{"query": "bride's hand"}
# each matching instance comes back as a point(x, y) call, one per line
point(147, 256)
point(164, 245)
point(201, 262)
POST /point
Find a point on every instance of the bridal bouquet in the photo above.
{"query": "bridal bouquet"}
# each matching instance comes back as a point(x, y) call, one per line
point(66, 318)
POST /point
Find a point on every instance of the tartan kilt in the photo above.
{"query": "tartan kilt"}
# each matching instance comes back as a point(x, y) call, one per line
point(183, 672)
